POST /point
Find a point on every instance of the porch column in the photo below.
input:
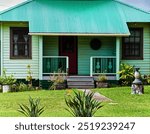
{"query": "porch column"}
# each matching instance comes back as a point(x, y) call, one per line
point(40, 57)
point(118, 43)
point(1, 47)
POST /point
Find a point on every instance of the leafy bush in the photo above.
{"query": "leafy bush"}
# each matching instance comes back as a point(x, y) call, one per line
point(126, 74)
point(146, 79)
point(20, 87)
point(82, 104)
point(7, 80)
point(33, 110)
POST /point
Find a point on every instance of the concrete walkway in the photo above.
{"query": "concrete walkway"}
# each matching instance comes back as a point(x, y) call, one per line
point(97, 96)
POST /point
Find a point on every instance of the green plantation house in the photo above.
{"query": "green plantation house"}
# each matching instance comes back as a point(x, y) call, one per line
point(82, 38)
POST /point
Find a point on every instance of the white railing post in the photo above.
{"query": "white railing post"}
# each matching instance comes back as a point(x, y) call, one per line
point(118, 42)
point(67, 65)
point(91, 66)
point(40, 57)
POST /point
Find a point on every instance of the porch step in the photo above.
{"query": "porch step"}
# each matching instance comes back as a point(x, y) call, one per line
point(80, 82)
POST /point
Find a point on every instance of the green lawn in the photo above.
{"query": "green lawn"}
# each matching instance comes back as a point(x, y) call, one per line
point(123, 104)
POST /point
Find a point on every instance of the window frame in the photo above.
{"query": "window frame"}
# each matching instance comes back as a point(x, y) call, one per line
point(12, 44)
point(129, 57)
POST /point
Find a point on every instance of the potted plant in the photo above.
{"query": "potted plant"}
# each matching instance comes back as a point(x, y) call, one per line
point(6, 81)
point(101, 81)
point(58, 80)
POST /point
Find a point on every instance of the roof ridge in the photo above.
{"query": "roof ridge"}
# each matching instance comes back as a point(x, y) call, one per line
point(16, 6)
point(132, 6)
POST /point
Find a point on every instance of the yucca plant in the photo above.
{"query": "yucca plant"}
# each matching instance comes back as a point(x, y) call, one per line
point(33, 110)
point(82, 104)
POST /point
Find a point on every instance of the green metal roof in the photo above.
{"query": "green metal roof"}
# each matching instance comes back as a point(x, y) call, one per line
point(75, 16)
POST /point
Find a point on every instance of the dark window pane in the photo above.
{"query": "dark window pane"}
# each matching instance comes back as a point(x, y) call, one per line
point(20, 43)
point(132, 46)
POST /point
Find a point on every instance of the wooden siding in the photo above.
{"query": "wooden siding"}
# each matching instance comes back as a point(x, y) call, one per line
point(50, 46)
point(18, 67)
point(145, 63)
point(108, 45)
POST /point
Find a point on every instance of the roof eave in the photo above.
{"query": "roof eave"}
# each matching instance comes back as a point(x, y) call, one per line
point(16, 6)
point(80, 34)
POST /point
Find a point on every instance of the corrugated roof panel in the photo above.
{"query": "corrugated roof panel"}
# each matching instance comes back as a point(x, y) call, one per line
point(78, 17)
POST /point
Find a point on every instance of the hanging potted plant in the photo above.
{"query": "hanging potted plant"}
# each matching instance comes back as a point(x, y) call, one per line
point(6, 81)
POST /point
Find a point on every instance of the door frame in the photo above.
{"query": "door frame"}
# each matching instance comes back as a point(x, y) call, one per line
point(76, 52)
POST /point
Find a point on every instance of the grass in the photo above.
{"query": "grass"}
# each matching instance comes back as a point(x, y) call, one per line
point(123, 105)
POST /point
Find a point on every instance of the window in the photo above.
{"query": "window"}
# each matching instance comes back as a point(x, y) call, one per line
point(132, 46)
point(20, 43)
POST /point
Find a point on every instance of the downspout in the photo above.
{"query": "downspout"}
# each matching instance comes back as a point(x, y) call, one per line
point(1, 51)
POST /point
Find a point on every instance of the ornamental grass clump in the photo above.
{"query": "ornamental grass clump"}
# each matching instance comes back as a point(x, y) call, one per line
point(82, 104)
point(33, 110)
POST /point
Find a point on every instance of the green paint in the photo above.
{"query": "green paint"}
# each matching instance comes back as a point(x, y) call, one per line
point(50, 46)
point(145, 63)
point(85, 52)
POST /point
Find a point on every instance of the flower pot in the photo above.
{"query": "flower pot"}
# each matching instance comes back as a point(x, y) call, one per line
point(6, 88)
point(102, 84)
point(61, 86)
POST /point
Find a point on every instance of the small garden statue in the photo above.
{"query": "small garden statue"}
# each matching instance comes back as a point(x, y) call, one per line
point(137, 85)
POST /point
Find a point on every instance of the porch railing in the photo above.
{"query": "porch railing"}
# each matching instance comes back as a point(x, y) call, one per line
point(102, 65)
point(52, 64)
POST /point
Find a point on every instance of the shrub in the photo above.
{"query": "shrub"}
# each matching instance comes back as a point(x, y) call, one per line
point(82, 104)
point(7, 80)
point(146, 79)
point(20, 87)
point(33, 110)
point(126, 74)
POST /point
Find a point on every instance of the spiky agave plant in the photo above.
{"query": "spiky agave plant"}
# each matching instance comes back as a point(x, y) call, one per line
point(82, 104)
point(33, 110)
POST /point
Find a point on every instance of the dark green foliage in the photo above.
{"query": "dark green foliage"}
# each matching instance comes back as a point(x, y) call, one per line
point(82, 104)
point(33, 110)
point(20, 87)
point(126, 74)
point(146, 79)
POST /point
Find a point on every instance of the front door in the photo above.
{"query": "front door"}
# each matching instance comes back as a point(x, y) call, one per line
point(68, 47)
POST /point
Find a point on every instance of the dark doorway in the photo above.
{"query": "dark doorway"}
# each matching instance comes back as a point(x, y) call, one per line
point(68, 47)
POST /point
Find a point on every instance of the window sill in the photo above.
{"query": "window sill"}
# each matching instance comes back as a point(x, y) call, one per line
point(20, 58)
point(132, 58)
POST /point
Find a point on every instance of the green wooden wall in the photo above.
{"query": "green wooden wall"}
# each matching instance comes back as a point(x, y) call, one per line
point(108, 48)
point(145, 63)
point(18, 67)
point(50, 46)
point(108, 45)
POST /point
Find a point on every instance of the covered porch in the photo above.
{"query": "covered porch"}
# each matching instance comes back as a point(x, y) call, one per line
point(74, 56)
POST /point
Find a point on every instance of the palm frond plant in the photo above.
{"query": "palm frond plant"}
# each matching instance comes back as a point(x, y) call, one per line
point(33, 110)
point(82, 104)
